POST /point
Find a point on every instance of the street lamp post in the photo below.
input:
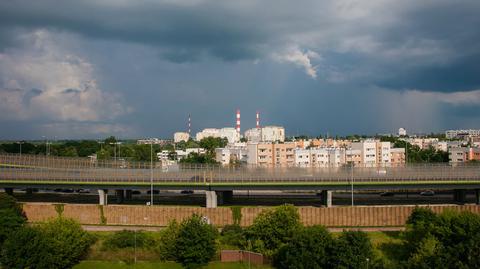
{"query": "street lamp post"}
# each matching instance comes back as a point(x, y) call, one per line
point(20, 143)
point(351, 175)
point(151, 172)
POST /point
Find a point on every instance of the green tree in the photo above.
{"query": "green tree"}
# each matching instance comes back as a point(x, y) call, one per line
point(451, 240)
point(11, 216)
point(273, 228)
point(195, 243)
point(110, 140)
point(352, 249)
point(167, 244)
point(28, 247)
point(309, 248)
point(69, 241)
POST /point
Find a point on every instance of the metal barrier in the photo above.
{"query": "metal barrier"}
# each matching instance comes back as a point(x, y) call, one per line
point(57, 169)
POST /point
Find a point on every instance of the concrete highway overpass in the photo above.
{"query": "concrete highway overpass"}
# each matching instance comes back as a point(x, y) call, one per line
point(33, 171)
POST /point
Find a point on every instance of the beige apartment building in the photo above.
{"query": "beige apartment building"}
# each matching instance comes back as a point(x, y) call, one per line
point(271, 154)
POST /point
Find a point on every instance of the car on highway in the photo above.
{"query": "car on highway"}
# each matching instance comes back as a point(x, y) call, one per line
point(387, 194)
point(427, 193)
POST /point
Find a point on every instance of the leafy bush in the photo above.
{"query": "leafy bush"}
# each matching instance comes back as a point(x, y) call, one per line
point(195, 243)
point(273, 228)
point(9, 202)
point(69, 241)
point(450, 240)
point(421, 215)
point(351, 250)
point(128, 239)
point(309, 248)
point(233, 235)
point(11, 216)
point(167, 244)
point(29, 248)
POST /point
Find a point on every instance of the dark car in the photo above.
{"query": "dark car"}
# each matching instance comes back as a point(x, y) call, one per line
point(387, 194)
point(154, 192)
point(186, 192)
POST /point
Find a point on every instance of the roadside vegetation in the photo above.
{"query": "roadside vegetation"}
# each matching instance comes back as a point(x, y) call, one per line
point(447, 240)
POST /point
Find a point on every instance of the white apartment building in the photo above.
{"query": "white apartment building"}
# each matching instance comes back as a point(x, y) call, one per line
point(232, 153)
point(230, 133)
point(273, 134)
point(180, 154)
point(180, 136)
point(319, 157)
point(253, 135)
point(461, 133)
point(402, 132)
point(303, 157)
point(369, 152)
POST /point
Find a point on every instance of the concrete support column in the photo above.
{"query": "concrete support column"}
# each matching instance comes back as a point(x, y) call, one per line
point(103, 197)
point(327, 198)
point(128, 194)
point(477, 196)
point(9, 191)
point(211, 199)
point(224, 197)
point(120, 194)
point(459, 195)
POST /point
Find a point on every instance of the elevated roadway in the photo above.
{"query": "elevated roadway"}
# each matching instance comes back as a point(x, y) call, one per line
point(32, 171)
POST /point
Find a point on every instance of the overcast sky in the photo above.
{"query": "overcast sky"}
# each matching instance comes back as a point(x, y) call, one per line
point(89, 69)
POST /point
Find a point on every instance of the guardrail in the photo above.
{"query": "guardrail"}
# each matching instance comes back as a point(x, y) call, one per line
point(55, 169)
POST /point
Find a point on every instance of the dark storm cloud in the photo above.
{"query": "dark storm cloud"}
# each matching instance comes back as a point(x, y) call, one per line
point(428, 45)
point(299, 63)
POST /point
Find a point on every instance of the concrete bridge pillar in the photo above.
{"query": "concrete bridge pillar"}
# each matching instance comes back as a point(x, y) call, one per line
point(9, 191)
point(211, 199)
point(477, 196)
point(120, 194)
point(459, 195)
point(128, 194)
point(224, 197)
point(327, 198)
point(103, 197)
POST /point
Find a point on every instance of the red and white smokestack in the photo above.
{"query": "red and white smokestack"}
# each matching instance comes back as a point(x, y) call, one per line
point(238, 120)
point(258, 120)
point(189, 124)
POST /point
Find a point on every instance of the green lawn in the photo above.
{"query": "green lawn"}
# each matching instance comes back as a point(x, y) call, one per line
point(159, 265)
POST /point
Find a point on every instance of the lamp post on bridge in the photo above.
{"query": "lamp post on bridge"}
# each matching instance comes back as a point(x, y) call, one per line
point(20, 143)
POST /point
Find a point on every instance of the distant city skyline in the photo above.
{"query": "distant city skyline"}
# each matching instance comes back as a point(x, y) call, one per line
point(137, 69)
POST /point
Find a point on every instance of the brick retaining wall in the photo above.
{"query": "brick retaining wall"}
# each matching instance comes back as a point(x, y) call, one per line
point(359, 216)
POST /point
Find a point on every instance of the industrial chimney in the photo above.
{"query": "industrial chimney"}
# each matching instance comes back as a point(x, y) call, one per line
point(238, 120)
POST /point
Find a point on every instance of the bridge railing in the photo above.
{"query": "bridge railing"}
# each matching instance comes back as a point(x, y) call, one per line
point(35, 168)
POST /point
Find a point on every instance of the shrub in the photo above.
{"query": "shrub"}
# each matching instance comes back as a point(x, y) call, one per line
point(69, 241)
point(167, 244)
point(9, 202)
point(309, 248)
point(450, 240)
point(128, 239)
point(233, 235)
point(274, 228)
point(351, 250)
point(421, 215)
point(28, 248)
point(11, 216)
point(195, 243)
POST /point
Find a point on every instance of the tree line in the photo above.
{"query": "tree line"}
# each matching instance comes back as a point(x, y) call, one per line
point(111, 148)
